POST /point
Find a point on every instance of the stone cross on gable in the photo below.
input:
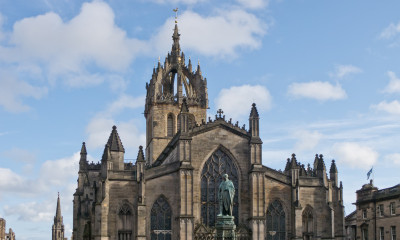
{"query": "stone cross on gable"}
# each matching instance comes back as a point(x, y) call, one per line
point(220, 112)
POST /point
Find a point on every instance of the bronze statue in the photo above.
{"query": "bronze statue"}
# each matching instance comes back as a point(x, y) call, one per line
point(226, 193)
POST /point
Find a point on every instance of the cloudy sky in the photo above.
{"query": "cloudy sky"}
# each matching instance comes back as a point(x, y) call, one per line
point(325, 76)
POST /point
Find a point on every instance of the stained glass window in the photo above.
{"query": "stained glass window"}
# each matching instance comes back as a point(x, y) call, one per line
point(217, 165)
point(276, 221)
point(161, 220)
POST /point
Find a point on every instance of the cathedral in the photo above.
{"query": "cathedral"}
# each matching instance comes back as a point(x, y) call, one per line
point(171, 191)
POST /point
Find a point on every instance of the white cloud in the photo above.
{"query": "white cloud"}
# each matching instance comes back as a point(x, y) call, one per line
point(20, 155)
point(1, 27)
point(49, 177)
point(389, 107)
point(236, 101)
point(276, 158)
point(99, 127)
point(317, 90)
point(98, 131)
point(188, 2)
point(91, 36)
point(354, 155)
point(393, 158)
point(253, 4)
point(218, 35)
point(132, 137)
point(307, 140)
point(394, 84)
point(13, 90)
point(390, 31)
point(12, 182)
point(69, 166)
point(344, 70)
point(124, 102)
point(32, 211)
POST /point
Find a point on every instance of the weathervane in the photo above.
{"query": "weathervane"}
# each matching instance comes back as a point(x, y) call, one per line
point(176, 14)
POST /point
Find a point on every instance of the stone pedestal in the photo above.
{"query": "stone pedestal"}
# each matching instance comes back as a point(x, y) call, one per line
point(225, 227)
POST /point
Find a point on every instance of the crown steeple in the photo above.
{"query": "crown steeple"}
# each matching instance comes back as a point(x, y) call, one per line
point(172, 81)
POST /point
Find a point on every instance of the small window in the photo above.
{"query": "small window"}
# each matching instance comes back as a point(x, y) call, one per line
point(380, 210)
point(393, 232)
point(364, 213)
point(365, 234)
point(381, 233)
point(392, 208)
point(170, 125)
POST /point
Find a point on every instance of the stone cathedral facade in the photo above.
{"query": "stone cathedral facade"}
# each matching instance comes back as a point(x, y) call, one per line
point(170, 192)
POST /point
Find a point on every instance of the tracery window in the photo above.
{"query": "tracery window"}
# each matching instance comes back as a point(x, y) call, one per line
point(218, 164)
point(276, 221)
point(308, 223)
point(161, 220)
point(124, 222)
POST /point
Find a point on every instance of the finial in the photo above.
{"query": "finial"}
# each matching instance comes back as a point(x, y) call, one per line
point(58, 194)
point(114, 127)
point(158, 58)
point(176, 14)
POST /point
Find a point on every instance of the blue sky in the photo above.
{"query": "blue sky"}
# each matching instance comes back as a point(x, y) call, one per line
point(325, 76)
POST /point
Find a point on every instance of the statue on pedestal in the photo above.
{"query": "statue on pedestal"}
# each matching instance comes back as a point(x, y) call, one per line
point(226, 194)
point(225, 220)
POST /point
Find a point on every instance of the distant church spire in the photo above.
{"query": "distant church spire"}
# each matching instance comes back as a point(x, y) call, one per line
point(58, 210)
point(58, 226)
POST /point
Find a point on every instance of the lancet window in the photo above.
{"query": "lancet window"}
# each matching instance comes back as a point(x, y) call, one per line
point(161, 220)
point(276, 221)
point(217, 165)
point(170, 125)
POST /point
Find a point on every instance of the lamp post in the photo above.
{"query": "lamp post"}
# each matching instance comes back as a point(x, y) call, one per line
point(272, 233)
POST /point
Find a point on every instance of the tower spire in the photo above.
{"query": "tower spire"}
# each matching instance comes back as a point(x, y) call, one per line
point(58, 210)
point(58, 226)
point(176, 48)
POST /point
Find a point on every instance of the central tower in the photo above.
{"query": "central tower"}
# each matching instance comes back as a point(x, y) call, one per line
point(171, 84)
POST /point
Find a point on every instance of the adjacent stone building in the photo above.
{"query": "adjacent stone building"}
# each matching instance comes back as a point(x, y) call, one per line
point(377, 214)
point(3, 234)
point(58, 226)
point(170, 192)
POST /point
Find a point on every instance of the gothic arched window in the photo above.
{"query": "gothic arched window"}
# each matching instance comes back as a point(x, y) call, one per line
point(124, 223)
point(161, 220)
point(217, 165)
point(276, 221)
point(170, 125)
point(308, 222)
